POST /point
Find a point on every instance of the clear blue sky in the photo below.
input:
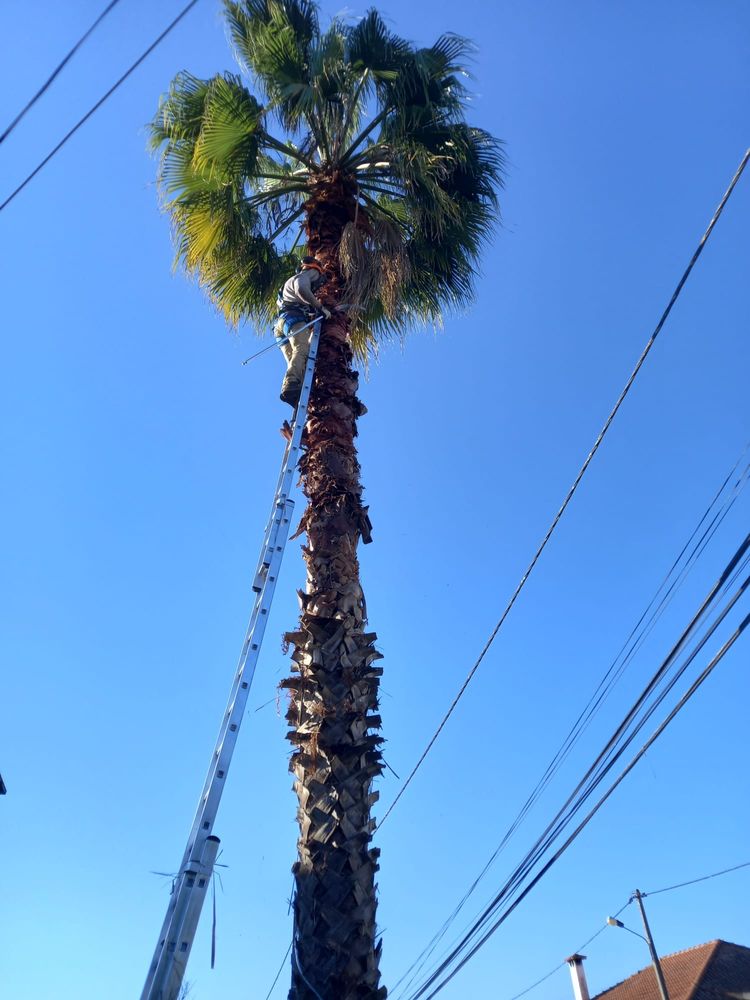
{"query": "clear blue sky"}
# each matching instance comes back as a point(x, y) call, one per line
point(139, 459)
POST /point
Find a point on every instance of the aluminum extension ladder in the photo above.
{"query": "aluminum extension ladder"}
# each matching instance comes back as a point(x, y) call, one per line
point(167, 969)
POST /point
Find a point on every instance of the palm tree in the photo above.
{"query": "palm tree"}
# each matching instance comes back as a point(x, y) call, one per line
point(351, 144)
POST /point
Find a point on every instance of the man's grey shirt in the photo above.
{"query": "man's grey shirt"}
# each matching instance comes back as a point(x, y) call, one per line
point(298, 289)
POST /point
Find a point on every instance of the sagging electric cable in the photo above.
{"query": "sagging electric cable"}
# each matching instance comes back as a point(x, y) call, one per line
point(653, 892)
point(578, 950)
point(568, 811)
point(695, 881)
point(623, 774)
point(590, 815)
point(606, 760)
point(695, 545)
point(82, 121)
point(56, 71)
point(636, 639)
point(280, 970)
point(425, 954)
point(571, 492)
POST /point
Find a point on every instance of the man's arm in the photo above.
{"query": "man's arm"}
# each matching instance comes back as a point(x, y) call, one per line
point(305, 292)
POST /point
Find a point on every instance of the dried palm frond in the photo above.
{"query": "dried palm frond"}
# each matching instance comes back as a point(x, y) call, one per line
point(392, 265)
point(356, 258)
point(375, 265)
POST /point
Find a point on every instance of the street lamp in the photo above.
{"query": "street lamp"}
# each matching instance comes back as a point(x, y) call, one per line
point(614, 922)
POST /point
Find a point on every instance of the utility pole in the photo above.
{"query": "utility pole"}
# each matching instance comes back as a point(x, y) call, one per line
point(638, 897)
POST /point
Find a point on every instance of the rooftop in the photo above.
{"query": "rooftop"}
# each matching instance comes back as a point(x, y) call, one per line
point(716, 970)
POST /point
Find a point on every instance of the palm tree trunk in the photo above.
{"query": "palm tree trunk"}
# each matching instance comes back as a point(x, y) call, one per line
point(334, 687)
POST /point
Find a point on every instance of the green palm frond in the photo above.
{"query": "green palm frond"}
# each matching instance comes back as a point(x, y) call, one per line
point(251, 22)
point(228, 142)
point(273, 39)
point(358, 108)
point(180, 113)
point(372, 46)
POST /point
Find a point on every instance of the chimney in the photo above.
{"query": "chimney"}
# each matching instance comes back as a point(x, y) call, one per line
point(578, 977)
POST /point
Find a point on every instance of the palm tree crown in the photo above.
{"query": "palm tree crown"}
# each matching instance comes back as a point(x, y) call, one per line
point(354, 116)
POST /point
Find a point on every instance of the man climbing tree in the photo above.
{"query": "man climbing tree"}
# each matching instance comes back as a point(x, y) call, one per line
point(297, 307)
point(352, 141)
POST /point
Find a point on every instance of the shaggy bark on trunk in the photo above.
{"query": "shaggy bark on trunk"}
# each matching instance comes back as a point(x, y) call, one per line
point(334, 687)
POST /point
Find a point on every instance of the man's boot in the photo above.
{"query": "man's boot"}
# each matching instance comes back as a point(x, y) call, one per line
point(290, 392)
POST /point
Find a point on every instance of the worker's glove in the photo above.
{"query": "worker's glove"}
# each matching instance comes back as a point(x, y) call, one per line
point(326, 312)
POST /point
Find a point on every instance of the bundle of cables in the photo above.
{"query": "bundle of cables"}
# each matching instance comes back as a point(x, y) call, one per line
point(550, 845)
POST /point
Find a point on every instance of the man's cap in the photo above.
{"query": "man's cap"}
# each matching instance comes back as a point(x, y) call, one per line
point(312, 262)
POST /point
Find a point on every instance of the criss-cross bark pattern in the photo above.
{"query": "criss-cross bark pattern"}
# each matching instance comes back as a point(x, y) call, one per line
point(334, 687)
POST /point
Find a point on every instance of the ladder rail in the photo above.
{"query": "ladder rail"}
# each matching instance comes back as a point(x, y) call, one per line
point(284, 482)
point(183, 910)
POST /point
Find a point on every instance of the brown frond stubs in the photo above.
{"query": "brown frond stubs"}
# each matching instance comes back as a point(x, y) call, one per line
point(334, 721)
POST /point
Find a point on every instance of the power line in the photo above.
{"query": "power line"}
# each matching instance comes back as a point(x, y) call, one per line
point(699, 539)
point(660, 729)
point(56, 71)
point(694, 881)
point(654, 892)
point(578, 797)
point(598, 771)
point(99, 103)
point(538, 982)
point(561, 965)
point(699, 546)
point(640, 632)
point(576, 481)
point(509, 909)
point(281, 969)
point(606, 760)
